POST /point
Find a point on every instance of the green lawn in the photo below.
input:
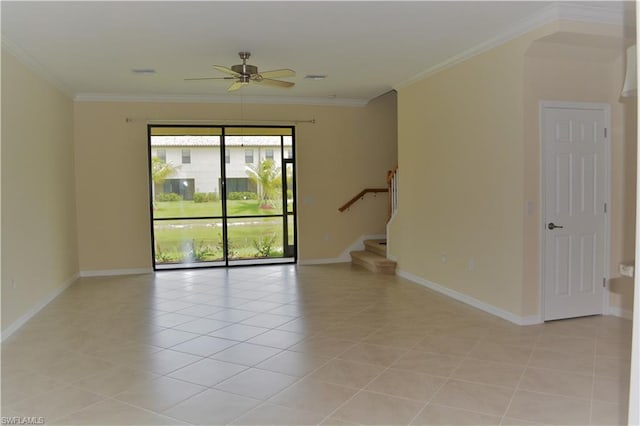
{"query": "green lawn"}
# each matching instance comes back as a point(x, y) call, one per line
point(189, 240)
point(165, 209)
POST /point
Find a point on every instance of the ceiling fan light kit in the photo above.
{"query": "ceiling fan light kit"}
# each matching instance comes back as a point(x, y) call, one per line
point(244, 74)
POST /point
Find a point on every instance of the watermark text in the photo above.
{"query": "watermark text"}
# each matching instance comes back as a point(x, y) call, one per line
point(18, 420)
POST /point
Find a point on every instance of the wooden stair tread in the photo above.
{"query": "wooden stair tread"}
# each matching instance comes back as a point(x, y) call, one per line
point(373, 262)
point(376, 246)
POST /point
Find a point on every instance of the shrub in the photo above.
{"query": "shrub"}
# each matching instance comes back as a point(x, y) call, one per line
point(169, 196)
point(166, 256)
point(232, 248)
point(202, 251)
point(205, 197)
point(264, 245)
point(242, 196)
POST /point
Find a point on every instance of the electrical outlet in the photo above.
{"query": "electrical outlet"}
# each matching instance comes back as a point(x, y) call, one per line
point(13, 283)
point(443, 257)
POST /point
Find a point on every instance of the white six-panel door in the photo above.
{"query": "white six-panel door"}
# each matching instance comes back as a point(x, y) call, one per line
point(575, 179)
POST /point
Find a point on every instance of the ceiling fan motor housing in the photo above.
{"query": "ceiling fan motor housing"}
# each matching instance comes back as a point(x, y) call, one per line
point(245, 69)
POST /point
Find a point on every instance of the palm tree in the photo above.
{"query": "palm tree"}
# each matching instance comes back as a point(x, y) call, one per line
point(268, 178)
point(160, 170)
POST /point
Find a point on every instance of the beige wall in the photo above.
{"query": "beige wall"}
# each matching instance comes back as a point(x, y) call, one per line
point(460, 165)
point(347, 149)
point(469, 163)
point(39, 244)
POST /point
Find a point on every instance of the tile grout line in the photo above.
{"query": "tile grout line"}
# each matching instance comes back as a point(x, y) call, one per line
point(593, 378)
point(209, 357)
point(363, 388)
point(517, 387)
point(448, 379)
point(308, 374)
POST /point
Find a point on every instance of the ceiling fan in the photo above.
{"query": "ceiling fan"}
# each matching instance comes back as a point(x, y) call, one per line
point(244, 73)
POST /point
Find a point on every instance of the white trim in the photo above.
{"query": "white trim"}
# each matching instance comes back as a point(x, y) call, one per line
point(483, 306)
point(345, 256)
point(606, 109)
point(619, 312)
point(115, 272)
point(6, 333)
point(593, 14)
point(220, 99)
point(359, 245)
point(323, 261)
point(33, 65)
point(389, 233)
point(552, 13)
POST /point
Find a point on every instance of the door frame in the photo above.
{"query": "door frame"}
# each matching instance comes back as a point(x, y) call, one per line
point(293, 255)
point(606, 109)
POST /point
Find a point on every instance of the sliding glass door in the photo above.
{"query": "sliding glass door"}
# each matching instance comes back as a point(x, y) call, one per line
point(222, 195)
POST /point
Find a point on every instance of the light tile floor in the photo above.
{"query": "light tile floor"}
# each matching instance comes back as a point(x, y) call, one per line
point(331, 344)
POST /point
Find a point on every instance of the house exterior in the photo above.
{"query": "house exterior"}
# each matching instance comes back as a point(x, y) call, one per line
point(197, 161)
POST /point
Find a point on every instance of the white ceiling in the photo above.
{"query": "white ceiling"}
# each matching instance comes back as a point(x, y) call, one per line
point(365, 48)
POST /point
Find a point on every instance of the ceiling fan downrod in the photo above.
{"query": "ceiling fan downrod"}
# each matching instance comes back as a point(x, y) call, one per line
point(245, 70)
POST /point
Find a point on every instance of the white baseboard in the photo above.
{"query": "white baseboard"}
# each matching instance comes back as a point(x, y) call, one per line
point(37, 308)
point(345, 256)
point(115, 272)
point(619, 312)
point(323, 261)
point(529, 320)
point(359, 245)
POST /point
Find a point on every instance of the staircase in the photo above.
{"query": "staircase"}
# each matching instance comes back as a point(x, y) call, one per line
point(374, 257)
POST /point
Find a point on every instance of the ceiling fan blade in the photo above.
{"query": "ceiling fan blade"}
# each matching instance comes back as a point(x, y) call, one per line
point(235, 86)
point(210, 78)
point(278, 73)
point(278, 83)
point(227, 70)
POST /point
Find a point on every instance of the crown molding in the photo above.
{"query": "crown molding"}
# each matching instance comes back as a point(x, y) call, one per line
point(220, 99)
point(552, 13)
point(592, 14)
point(33, 65)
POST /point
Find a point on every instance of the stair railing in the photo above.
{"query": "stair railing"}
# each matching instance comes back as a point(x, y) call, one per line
point(391, 189)
point(392, 186)
point(360, 196)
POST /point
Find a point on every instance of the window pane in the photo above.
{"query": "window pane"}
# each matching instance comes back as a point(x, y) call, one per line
point(243, 199)
point(185, 130)
point(162, 155)
point(255, 238)
point(248, 156)
point(290, 230)
point(183, 190)
point(186, 156)
point(287, 145)
point(257, 131)
point(290, 195)
point(187, 241)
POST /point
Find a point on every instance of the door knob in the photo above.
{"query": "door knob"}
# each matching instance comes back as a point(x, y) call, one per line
point(553, 226)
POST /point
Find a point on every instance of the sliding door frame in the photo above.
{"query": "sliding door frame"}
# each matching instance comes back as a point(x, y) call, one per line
point(290, 252)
